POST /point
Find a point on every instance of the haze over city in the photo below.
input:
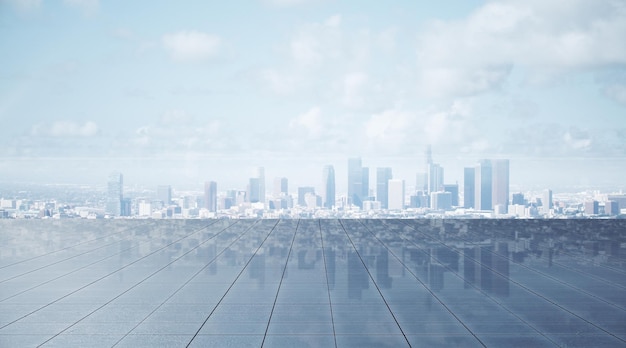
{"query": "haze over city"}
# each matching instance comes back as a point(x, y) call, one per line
point(313, 173)
point(172, 93)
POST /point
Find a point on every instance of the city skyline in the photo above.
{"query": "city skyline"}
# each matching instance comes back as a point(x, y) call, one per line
point(485, 192)
point(90, 87)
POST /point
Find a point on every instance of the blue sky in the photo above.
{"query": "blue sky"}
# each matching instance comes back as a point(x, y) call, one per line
point(196, 90)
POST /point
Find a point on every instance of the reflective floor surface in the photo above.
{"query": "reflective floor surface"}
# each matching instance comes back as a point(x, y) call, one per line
point(313, 283)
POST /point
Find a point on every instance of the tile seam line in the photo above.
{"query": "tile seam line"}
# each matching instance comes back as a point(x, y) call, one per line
point(330, 303)
point(293, 239)
point(552, 278)
point(187, 282)
point(69, 247)
point(135, 285)
point(59, 261)
point(607, 267)
point(532, 291)
point(462, 279)
point(103, 277)
point(232, 283)
point(374, 282)
point(566, 284)
point(74, 271)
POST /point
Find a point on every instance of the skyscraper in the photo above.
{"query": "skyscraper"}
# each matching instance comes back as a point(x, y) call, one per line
point(421, 182)
point(592, 207)
point(383, 175)
point(500, 188)
point(328, 178)
point(365, 183)
point(483, 185)
point(454, 193)
point(210, 196)
point(441, 200)
point(261, 175)
point(518, 199)
point(546, 200)
point(164, 194)
point(355, 181)
point(254, 190)
point(115, 194)
point(396, 194)
point(435, 177)
point(469, 185)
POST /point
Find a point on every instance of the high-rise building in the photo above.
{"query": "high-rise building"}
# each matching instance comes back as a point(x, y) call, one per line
point(435, 177)
point(441, 200)
point(281, 187)
point(254, 190)
point(365, 183)
point(469, 185)
point(421, 182)
point(396, 194)
point(419, 200)
point(518, 199)
point(619, 198)
point(383, 175)
point(454, 193)
point(261, 176)
point(328, 178)
point(115, 194)
point(546, 199)
point(126, 207)
point(500, 187)
point(355, 181)
point(483, 186)
point(592, 207)
point(144, 208)
point(611, 208)
point(164, 194)
point(210, 196)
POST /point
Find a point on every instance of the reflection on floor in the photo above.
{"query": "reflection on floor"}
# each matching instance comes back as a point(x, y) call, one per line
point(316, 283)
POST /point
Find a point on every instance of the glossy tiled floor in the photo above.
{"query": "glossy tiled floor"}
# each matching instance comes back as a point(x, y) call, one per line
point(298, 283)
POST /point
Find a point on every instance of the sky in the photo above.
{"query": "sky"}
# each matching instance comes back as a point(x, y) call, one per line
point(183, 92)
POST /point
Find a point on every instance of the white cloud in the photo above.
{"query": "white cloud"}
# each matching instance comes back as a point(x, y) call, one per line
point(401, 131)
point(281, 83)
point(354, 85)
point(388, 129)
point(191, 46)
point(453, 128)
point(476, 54)
point(322, 54)
point(333, 21)
point(65, 129)
point(576, 139)
point(88, 7)
point(454, 81)
point(310, 121)
point(315, 43)
point(177, 131)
